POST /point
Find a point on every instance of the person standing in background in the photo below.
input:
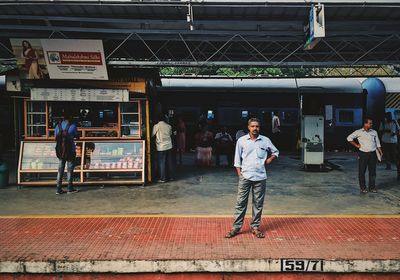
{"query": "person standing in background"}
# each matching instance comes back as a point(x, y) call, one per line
point(224, 146)
point(241, 132)
point(162, 131)
point(204, 139)
point(389, 131)
point(276, 125)
point(65, 133)
point(368, 144)
point(181, 138)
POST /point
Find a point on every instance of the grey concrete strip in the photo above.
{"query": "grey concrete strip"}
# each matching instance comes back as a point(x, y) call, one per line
point(184, 266)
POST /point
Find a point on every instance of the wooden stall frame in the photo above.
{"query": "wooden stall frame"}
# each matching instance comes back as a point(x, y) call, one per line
point(47, 120)
point(148, 142)
point(119, 121)
point(25, 120)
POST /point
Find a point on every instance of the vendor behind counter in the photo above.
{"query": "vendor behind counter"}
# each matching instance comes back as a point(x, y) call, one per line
point(85, 114)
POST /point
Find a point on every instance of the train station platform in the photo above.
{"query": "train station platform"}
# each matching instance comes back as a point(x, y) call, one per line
point(318, 226)
point(181, 245)
point(212, 191)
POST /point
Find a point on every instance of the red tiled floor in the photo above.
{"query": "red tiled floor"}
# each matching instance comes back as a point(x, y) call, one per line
point(187, 238)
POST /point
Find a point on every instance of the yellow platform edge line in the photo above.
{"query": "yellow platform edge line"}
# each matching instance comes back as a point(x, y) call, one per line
point(192, 216)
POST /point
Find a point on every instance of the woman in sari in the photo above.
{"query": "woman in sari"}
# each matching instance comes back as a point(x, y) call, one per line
point(181, 138)
point(204, 139)
point(31, 61)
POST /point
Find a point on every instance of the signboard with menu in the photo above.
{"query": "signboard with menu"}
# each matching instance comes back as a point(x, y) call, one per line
point(78, 94)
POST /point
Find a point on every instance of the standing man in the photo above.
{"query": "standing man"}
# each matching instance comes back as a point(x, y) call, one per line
point(368, 145)
point(163, 132)
point(241, 132)
point(65, 133)
point(389, 131)
point(276, 127)
point(251, 157)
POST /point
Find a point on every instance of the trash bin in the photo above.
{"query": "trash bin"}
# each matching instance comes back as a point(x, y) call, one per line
point(3, 174)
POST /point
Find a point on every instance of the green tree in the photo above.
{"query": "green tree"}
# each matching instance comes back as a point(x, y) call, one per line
point(237, 71)
point(5, 68)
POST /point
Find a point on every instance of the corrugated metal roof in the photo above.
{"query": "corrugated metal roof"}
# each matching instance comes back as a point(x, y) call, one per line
point(203, 10)
point(362, 24)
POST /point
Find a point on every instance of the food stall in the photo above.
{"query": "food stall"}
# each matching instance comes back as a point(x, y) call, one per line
point(111, 146)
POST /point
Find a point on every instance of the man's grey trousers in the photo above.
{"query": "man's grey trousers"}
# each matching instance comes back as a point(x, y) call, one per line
point(258, 192)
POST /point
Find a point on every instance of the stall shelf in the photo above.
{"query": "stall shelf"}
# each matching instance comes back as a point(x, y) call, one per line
point(40, 122)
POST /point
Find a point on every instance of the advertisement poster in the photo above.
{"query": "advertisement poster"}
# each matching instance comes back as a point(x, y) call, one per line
point(30, 58)
point(75, 59)
point(60, 59)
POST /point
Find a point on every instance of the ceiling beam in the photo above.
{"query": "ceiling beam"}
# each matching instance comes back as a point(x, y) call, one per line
point(281, 23)
point(188, 32)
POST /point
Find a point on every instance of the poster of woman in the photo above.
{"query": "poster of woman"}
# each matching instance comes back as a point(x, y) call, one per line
point(30, 58)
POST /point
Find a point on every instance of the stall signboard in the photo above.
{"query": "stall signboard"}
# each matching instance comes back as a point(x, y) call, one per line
point(13, 83)
point(78, 94)
point(60, 59)
point(75, 59)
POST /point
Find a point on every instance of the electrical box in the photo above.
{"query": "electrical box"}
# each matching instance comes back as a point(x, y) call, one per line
point(312, 136)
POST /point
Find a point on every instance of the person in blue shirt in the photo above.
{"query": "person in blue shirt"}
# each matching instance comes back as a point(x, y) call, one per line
point(73, 133)
point(253, 152)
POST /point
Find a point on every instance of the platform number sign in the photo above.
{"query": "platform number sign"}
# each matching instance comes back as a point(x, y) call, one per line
point(314, 28)
point(293, 265)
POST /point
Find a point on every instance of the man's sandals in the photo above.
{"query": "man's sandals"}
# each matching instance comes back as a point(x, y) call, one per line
point(233, 232)
point(257, 233)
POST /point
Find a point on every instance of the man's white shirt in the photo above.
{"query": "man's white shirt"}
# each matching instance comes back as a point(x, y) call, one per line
point(162, 131)
point(368, 140)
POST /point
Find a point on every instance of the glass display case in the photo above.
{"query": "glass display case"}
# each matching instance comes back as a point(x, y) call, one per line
point(113, 161)
point(103, 162)
point(39, 164)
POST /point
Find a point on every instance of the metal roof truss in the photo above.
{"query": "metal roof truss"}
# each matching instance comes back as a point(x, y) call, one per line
point(212, 33)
